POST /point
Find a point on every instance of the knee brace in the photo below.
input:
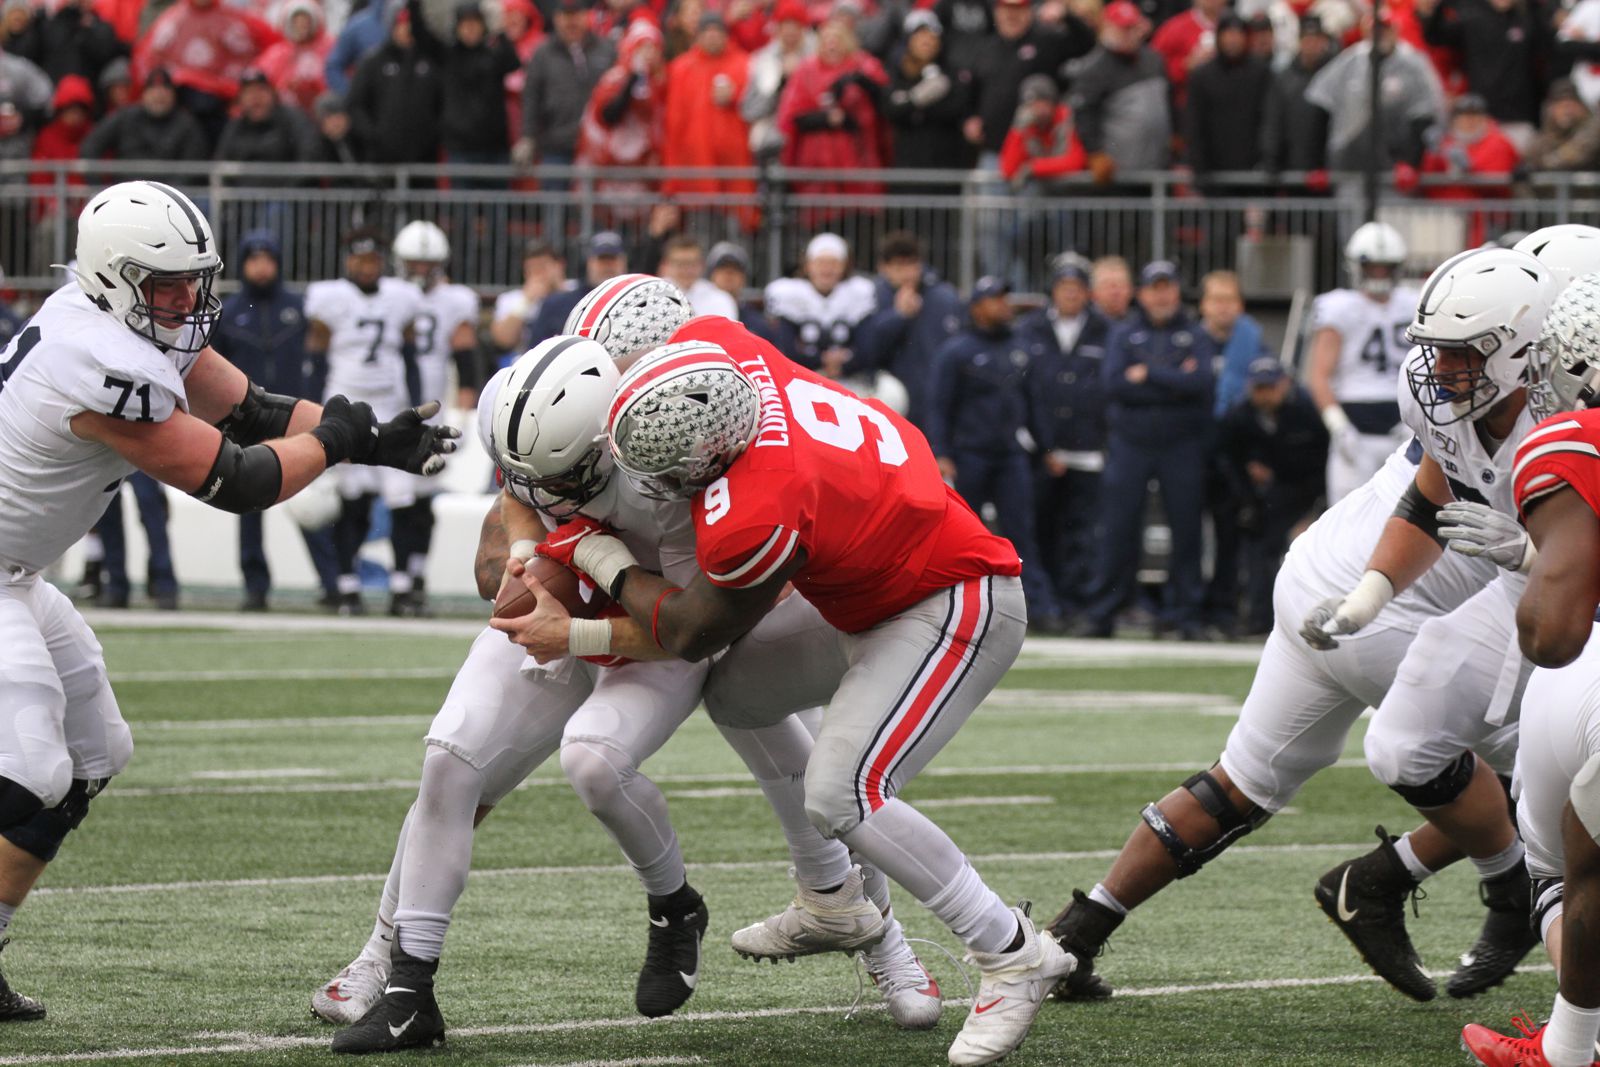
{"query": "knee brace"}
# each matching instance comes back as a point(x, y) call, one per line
point(1214, 801)
point(18, 804)
point(1444, 787)
point(1546, 904)
point(42, 834)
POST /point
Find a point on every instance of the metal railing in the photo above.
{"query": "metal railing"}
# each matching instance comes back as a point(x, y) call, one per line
point(1279, 234)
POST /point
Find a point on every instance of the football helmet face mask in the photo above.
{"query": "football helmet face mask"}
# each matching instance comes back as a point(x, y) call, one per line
point(1373, 256)
point(1564, 366)
point(146, 256)
point(548, 425)
point(1568, 251)
point(421, 249)
point(682, 415)
point(1477, 316)
point(630, 313)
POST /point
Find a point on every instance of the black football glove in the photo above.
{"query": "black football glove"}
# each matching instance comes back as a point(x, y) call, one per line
point(406, 442)
point(347, 430)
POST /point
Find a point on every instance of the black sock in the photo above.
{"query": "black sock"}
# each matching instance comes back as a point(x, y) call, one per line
point(1018, 941)
point(679, 902)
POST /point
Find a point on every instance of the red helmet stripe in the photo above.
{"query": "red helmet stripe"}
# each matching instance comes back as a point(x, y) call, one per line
point(617, 288)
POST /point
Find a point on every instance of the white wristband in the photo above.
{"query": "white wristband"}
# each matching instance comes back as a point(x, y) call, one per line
point(1334, 418)
point(524, 549)
point(1371, 593)
point(1529, 554)
point(603, 558)
point(589, 637)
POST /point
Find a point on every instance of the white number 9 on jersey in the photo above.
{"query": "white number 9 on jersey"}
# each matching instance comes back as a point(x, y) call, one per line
point(847, 429)
point(716, 501)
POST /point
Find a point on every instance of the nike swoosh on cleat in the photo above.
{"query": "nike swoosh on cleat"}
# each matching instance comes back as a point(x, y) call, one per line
point(979, 1009)
point(1345, 915)
point(396, 1031)
point(693, 976)
point(397, 989)
point(332, 993)
point(663, 923)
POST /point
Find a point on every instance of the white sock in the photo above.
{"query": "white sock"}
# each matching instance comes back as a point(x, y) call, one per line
point(1408, 856)
point(975, 913)
point(777, 755)
point(421, 932)
point(630, 807)
point(6, 912)
point(399, 582)
point(1570, 1036)
point(1501, 862)
point(873, 883)
point(1101, 895)
point(437, 852)
point(349, 583)
point(893, 941)
point(382, 937)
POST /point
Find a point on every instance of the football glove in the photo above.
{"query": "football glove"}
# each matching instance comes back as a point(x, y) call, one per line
point(585, 545)
point(1482, 532)
point(408, 443)
point(1339, 616)
point(347, 430)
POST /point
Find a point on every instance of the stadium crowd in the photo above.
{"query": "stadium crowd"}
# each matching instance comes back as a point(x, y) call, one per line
point(1029, 92)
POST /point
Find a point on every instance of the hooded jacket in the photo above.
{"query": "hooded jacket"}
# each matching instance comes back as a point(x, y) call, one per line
point(473, 81)
point(622, 122)
point(298, 71)
point(262, 330)
point(233, 39)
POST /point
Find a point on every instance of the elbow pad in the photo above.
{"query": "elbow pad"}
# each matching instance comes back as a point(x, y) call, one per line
point(1419, 511)
point(242, 479)
point(260, 416)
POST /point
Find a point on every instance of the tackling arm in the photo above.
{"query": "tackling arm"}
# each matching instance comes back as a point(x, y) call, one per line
point(1556, 612)
point(703, 619)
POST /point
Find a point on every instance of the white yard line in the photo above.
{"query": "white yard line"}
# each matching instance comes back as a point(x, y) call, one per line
point(984, 802)
point(610, 868)
point(267, 772)
point(281, 674)
point(242, 1044)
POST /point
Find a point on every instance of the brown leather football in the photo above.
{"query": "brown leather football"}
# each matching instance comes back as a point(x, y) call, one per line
point(516, 600)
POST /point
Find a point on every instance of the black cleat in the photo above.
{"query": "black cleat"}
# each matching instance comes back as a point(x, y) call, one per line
point(1508, 934)
point(351, 604)
point(672, 959)
point(1083, 928)
point(1365, 898)
point(406, 1016)
point(14, 1007)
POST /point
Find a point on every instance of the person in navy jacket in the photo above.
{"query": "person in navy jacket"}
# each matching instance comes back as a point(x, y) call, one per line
point(1158, 380)
point(984, 427)
point(1072, 337)
point(916, 313)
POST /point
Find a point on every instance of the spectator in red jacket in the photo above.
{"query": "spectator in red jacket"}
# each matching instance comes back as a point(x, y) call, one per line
point(206, 45)
point(703, 125)
point(72, 114)
point(1472, 145)
point(830, 116)
point(1041, 146)
point(623, 122)
point(295, 64)
point(523, 26)
point(1185, 41)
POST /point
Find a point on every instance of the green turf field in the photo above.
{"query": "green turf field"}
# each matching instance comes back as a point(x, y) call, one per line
point(236, 866)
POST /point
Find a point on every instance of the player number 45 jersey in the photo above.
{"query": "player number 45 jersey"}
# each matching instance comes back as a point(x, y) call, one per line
point(1562, 451)
point(845, 480)
point(1372, 341)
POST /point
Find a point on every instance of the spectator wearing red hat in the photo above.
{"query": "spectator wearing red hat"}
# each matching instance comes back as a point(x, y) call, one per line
point(703, 125)
point(614, 18)
point(71, 117)
point(829, 114)
point(623, 124)
point(770, 67)
point(1185, 41)
point(1119, 97)
point(750, 23)
point(205, 45)
point(157, 126)
point(296, 65)
point(396, 98)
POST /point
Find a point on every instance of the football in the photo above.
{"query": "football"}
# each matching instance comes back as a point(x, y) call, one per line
point(580, 598)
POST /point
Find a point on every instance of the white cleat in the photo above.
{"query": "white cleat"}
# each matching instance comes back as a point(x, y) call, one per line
point(1013, 986)
point(906, 986)
point(841, 921)
point(352, 992)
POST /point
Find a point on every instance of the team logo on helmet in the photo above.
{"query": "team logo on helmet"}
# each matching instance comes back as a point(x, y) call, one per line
point(630, 313)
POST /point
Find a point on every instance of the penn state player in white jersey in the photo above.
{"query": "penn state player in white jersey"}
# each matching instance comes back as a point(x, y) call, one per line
point(1463, 677)
point(505, 714)
point(113, 375)
point(1557, 479)
point(446, 332)
point(362, 327)
point(1357, 345)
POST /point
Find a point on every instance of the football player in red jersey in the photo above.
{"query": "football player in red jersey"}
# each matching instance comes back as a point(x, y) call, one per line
point(1557, 485)
point(909, 613)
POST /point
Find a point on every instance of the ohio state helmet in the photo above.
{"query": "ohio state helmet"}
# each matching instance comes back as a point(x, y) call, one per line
point(630, 313)
point(1564, 367)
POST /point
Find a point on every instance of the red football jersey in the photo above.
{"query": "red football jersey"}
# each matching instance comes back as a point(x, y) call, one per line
point(847, 481)
point(1563, 450)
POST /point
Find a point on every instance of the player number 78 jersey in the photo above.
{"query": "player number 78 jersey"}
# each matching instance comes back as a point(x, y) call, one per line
point(844, 480)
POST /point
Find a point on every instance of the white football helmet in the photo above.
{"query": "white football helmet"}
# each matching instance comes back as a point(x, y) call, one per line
point(1375, 244)
point(1488, 303)
point(1568, 251)
point(141, 232)
point(682, 415)
point(548, 430)
point(421, 249)
point(1564, 367)
point(630, 313)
